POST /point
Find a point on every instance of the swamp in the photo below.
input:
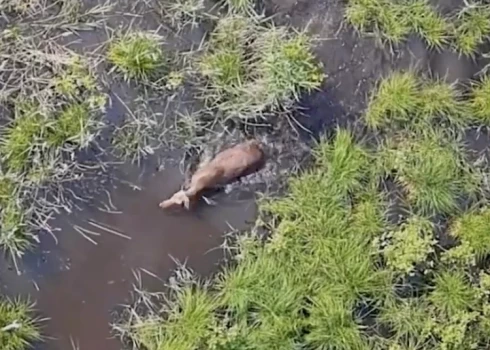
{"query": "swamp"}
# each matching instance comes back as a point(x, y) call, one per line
point(367, 228)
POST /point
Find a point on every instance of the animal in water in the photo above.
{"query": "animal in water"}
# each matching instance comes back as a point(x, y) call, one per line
point(227, 166)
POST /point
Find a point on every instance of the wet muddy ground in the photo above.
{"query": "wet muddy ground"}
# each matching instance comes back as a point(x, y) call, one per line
point(78, 284)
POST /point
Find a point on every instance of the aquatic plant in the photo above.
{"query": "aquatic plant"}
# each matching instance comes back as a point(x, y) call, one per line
point(18, 329)
point(138, 55)
point(409, 245)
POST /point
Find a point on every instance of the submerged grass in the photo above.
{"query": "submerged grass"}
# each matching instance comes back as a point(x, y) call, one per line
point(18, 329)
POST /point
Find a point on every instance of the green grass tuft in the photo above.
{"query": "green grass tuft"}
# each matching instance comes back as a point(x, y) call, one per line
point(472, 29)
point(409, 319)
point(479, 102)
point(182, 12)
point(472, 231)
point(189, 321)
point(18, 330)
point(396, 100)
point(369, 215)
point(393, 25)
point(433, 172)
point(13, 237)
point(225, 70)
point(73, 125)
point(443, 101)
point(452, 294)
point(22, 139)
point(138, 56)
point(345, 161)
point(361, 14)
point(241, 6)
point(428, 23)
point(286, 66)
point(251, 69)
point(332, 324)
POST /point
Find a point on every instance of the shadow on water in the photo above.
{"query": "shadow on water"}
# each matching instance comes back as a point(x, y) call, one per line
point(77, 283)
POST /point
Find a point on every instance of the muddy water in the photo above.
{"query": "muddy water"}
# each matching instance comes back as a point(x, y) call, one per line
point(77, 283)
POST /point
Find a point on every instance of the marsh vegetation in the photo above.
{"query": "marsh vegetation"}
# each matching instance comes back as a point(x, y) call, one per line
point(381, 244)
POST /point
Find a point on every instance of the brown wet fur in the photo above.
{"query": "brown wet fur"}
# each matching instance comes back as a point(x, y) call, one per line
point(228, 166)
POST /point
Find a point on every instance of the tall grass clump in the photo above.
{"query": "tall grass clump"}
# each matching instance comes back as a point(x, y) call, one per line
point(182, 12)
point(440, 101)
point(471, 230)
point(393, 21)
point(479, 103)
point(433, 171)
point(23, 138)
point(472, 28)
point(395, 100)
point(224, 64)
point(188, 322)
point(410, 319)
point(138, 56)
point(428, 23)
point(251, 69)
point(453, 294)
point(285, 67)
point(18, 329)
point(14, 230)
point(241, 6)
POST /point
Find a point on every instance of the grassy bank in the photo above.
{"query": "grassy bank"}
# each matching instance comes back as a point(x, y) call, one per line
point(378, 246)
point(18, 329)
